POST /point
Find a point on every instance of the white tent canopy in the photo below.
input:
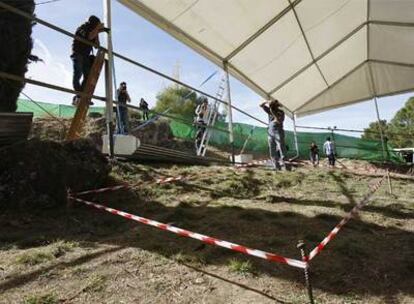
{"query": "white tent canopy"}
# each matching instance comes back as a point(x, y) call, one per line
point(311, 55)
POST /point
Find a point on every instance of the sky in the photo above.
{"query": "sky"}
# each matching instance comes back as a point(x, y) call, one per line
point(137, 38)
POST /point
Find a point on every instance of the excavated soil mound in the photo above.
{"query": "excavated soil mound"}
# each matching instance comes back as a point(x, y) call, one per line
point(37, 174)
point(157, 133)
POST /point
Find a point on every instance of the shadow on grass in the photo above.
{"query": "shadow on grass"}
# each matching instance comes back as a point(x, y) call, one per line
point(364, 259)
point(234, 283)
point(22, 279)
point(392, 211)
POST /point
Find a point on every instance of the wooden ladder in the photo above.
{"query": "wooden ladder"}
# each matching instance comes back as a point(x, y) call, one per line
point(83, 106)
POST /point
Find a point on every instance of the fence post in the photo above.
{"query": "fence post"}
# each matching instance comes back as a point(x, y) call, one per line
point(302, 247)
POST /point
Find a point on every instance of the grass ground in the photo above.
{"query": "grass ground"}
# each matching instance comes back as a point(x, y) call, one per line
point(81, 255)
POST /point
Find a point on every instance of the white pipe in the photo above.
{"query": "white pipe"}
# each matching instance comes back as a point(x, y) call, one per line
point(108, 75)
point(109, 62)
point(230, 113)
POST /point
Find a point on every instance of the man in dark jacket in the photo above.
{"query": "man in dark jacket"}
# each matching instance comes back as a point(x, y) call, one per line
point(123, 99)
point(81, 52)
point(143, 105)
point(276, 133)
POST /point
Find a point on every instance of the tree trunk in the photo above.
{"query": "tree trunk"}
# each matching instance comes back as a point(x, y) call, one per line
point(15, 48)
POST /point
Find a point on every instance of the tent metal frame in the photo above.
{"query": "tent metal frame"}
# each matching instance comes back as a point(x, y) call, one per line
point(205, 51)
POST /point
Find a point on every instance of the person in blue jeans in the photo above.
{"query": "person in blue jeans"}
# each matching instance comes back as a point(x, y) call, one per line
point(81, 53)
point(329, 149)
point(123, 98)
point(276, 133)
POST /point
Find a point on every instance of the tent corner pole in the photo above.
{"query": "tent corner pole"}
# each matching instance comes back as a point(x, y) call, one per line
point(295, 136)
point(108, 76)
point(230, 113)
point(380, 130)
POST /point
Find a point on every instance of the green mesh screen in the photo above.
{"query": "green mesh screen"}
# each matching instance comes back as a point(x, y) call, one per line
point(346, 146)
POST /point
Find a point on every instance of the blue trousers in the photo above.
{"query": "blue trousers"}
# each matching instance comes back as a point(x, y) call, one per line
point(123, 118)
point(81, 68)
point(277, 148)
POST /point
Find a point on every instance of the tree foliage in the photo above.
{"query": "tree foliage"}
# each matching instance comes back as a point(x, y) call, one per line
point(373, 132)
point(399, 131)
point(401, 127)
point(179, 100)
point(15, 50)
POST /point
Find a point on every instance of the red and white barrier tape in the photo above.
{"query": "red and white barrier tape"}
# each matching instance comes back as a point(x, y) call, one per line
point(169, 180)
point(345, 220)
point(101, 190)
point(114, 188)
point(203, 238)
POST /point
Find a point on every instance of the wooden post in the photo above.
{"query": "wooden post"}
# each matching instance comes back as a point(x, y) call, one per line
point(83, 106)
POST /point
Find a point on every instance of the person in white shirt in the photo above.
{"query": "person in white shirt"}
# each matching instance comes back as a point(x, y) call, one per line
point(329, 149)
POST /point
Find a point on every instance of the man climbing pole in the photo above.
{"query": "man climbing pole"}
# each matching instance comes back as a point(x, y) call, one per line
point(81, 53)
point(276, 134)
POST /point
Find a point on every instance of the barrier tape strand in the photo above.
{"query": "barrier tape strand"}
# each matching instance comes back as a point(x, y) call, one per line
point(203, 238)
point(345, 220)
point(114, 188)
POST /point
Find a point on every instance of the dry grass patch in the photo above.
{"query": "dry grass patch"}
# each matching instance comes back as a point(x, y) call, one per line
point(49, 298)
point(241, 267)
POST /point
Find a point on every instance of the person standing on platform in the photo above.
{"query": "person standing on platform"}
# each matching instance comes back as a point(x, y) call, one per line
point(276, 133)
point(123, 99)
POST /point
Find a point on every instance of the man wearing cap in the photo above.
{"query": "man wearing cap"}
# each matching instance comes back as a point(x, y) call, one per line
point(276, 134)
point(81, 52)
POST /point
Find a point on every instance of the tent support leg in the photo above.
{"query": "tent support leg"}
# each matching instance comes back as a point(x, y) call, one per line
point(230, 113)
point(381, 130)
point(108, 76)
point(295, 137)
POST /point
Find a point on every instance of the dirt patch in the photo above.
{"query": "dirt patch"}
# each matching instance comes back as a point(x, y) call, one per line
point(157, 133)
point(38, 173)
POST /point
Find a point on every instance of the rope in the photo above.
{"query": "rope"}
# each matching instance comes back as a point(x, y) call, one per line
point(44, 110)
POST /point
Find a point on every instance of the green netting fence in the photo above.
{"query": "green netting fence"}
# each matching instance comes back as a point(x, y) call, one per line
point(58, 110)
point(346, 146)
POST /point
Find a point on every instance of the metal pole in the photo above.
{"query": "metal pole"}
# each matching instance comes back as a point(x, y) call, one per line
point(389, 182)
point(108, 76)
point(295, 136)
point(230, 113)
point(302, 247)
point(380, 129)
